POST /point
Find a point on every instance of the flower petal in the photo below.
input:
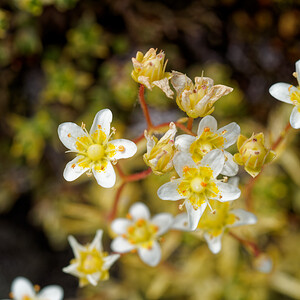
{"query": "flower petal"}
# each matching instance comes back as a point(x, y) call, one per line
point(230, 167)
point(183, 142)
point(215, 160)
point(68, 132)
point(119, 226)
point(76, 247)
point(124, 148)
point(295, 118)
point(72, 171)
point(72, 269)
point(107, 177)
point(109, 260)
point(151, 256)
point(182, 160)
point(298, 70)
point(93, 279)
point(213, 242)
point(163, 221)
point(281, 91)
point(208, 121)
point(139, 211)
point(51, 292)
point(181, 222)
point(97, 241)
point(21, 287)
point(168, 191)
point(228, 191)
point(194, 215)
point(102, 119)
point(163, 84)
point(121, 245)
point(230, 133)
point(243, 217)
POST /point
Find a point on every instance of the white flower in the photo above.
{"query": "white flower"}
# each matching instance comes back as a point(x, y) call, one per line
point(22, 289)
point(198, 184)
point(140, 232)
point(215, 223)
point(290, 94)
point(209, 138)
point(95, 152)
point(90, 264)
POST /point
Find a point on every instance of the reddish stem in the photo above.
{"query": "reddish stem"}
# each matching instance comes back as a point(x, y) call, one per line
point(144, 106)
point(113, 212)
point(138, 176)
point(251, 245)
point(121, 173)
point(190, 123)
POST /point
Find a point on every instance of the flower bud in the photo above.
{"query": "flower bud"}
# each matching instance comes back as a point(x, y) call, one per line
point(253, 154)
point(197, 100)
point(149, 70)
point(160, 153)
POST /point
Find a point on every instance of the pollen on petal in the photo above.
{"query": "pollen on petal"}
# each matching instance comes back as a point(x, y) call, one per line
point(69, 135)
point(204, 184)
point(99, 126)
point(73, 166)
point(121, 148)
point(224, 131)
point(129, 216)
point(206, 129)
point(185, 169)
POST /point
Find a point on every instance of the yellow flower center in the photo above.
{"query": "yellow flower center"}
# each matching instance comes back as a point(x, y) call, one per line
point(141, 233)
point(295, 97)
point(198, 185)
point(95, 152)
point(90, 261)
point(206, 142)
point(26, 297)
point(215, 222)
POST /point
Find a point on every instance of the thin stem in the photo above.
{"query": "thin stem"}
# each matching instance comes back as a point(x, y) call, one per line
point(138, 176)
point(144, 106)
point(281, 137)
point(251, 245)
point(113, 212)
point(190, 123)
point(120, 171)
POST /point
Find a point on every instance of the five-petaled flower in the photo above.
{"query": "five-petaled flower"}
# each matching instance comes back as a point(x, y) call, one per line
point(22, 289)
point(214, 224)
point(95, 152)
point(290, 94)
point(150, 70)
point(91, 263)
point(197, 100)
point(139, 232)
point(160, 153)
point(198, 184)
point(209, 138)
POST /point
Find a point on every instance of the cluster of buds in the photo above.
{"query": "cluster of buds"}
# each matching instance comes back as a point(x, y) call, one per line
point(253, 154)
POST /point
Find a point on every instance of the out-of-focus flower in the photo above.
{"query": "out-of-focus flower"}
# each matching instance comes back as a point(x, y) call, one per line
point(22, 289)
point(140, 232)
point(253, 154)
point(263, 263)
point(209, 138)
point(160, 153)
point(197, 100)
point(289, 94)
point(90, 264)
point(95, 152)
point(215, 223)
point(198, 184)
point(149, 70)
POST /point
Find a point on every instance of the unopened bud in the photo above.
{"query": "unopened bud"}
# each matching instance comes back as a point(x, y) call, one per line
point(253, 154)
